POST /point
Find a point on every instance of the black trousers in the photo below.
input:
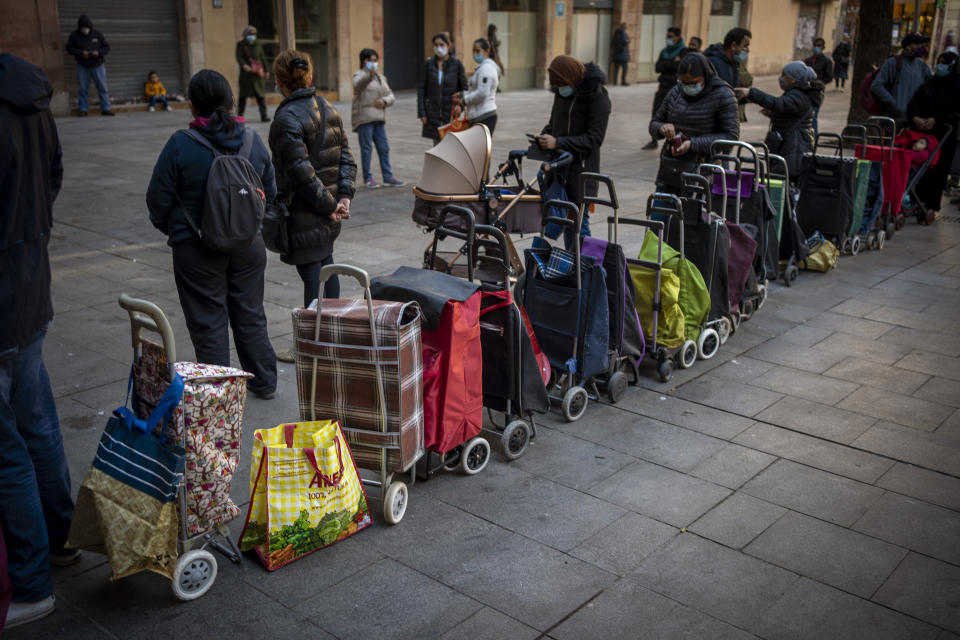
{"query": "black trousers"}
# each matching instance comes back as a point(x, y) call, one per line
point(310, 274)
point(261, 102)
point(622, 68)
point(490, 120)
point(221, 290)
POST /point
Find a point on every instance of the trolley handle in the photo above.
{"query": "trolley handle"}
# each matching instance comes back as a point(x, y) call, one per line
point(714, 170)
point(574, 224)
point(698, 188)
point(610, 201)
point(885, 124)
point(656, 203)
point(856, 133)
point(146, 315)
point(469, 236)
point(495, 238)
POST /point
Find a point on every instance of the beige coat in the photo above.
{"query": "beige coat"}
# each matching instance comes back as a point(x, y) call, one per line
point(366, 91)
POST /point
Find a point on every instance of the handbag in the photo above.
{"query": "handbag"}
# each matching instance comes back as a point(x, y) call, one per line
point(305, 492)
point(672, 169)
point(256, 67)
point(823, 255)
point(458, 122)
point(276, 228)
point(127, 504)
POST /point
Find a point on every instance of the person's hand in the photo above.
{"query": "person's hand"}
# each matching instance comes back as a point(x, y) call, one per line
point(379, 104)
point(457, 97)
point(423, 119)
point(668, 131)
point(741, 93)
point(546, 141)
point(928, 123)
point(683, 148)
point(342, 212)
point(86, 54)
point(94, 53)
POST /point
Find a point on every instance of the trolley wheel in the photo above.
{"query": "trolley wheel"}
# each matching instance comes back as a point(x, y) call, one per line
point(708, 344)
point(900, 221)
point(881, 239)
point(688, 354)
point(746, 311)
point(734, 321)
point(194, 574)
point(790, 275)
point(855, 245)
point(872, 241)
point(515, 439)
point(762, 300)
point(847, 246)
point(475, 456)
point(451, 459)
point(665, 370)
point(616, 386)
point(930, 217)
point(395, 502)
point(518, 288)
point(723, 329)
point(574, 403)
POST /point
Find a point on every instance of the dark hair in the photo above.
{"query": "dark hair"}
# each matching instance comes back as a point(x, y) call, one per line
point(695, 64)
point(674, 30)
point(211, 97)
point(293, 69)
point(818, 39)
point(483, 44)
point(491, 28)
point(366, 54)
point(735, 36)
point(442, 36)
point(699, 41)
point(150, 73)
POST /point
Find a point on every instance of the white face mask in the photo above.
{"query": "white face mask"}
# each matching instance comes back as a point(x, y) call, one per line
point(85, 31)
point(371, 66)
point(251, 39)
point(440, 51)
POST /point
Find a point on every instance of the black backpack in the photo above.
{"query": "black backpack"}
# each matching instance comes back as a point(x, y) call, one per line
point(233, 201)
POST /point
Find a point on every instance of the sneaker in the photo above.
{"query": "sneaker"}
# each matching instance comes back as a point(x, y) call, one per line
point(107, 113)
point(81, 114)
point(393, 182)
point(23, 612)
point(371, 183)
point(168, 108)
point(653, 144)
point(65, 557)
point(152, 109)
point(286, 356)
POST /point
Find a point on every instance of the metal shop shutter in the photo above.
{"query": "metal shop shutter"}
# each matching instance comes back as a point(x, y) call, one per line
point(144, 35)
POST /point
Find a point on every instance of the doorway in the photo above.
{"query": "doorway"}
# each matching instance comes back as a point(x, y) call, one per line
point(403, 42)
point(592, 32)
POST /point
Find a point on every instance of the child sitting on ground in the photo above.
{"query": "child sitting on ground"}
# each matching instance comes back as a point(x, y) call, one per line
point(155, 90)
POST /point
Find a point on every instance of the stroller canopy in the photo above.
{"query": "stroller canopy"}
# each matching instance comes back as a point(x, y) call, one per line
point(459, 163)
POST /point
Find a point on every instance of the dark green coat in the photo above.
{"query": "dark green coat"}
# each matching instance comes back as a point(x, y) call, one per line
point(251, 85)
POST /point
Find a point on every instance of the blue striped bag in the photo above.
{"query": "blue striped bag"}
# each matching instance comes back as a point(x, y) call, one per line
point(127, 504)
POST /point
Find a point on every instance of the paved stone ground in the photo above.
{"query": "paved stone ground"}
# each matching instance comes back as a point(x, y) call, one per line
point(804, 483)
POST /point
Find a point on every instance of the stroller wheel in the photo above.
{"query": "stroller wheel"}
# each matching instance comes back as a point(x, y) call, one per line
point(616, 386)
point(574, 403)
point(723, 329)
point(518, 288)
point(395, 503)
point(475, 456)
point(688, 354)
point(194, 574)
point(881, 239)
point(708, 344)
point(665, 370)
point(515, 439)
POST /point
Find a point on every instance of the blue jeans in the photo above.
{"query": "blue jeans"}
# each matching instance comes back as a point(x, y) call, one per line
point(374, 133)
point(161, 99)
point(35, 503)
point(816, 114)
point(310, 274)
point(99, 77)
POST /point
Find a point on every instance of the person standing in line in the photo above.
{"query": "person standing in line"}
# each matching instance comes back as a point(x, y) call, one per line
point(841, 61)
point(36, 507)
point(371, 97)
point(88, 47)
point(480, 97)
point(822, 65)
point(443, 78)
point(900, 76)
point(727, 57)
point(667, 64)
point(620, 44)
point(217, 290)
point(253, 72)
point(315, 173)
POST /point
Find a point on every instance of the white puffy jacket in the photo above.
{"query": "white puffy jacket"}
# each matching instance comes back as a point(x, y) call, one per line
point(480, 98)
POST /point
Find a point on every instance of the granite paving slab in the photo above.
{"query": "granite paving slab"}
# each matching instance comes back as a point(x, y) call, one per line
point(930, 450)
point(915, 525)
point(875, 374)
point(895, 407)
point(732, 466)
point(490, 624)
point(847, 324)
point(925, 588)
point(817, 419)
point(622, 545)
point(737, 520)
point(930, 486)
point(728, 396)
point(801, 384)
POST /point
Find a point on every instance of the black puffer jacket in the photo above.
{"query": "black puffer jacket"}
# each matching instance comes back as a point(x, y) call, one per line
point(711, 115)
point(791, 120)
point(435, 101)
point(30, 175)
point(314, 168)
point(579, 123)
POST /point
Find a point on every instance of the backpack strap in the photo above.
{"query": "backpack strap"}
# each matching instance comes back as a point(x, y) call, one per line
point(198, 137)
point(247, 147)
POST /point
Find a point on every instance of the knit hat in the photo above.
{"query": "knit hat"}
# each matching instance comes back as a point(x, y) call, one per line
point(799, 71)
point(913, 38)
point(566, 70)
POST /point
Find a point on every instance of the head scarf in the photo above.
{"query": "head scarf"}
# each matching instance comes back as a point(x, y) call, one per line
point(566, 70)
point(247, 29)
point(799, 71)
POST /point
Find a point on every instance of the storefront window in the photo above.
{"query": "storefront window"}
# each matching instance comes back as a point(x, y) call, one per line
point(516, 22)
point(311, 21)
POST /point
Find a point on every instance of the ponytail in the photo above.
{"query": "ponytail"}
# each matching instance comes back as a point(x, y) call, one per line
point(211, 97)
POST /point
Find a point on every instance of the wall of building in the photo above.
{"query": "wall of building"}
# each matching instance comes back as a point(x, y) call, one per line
point(31, 30)
point(772, 23)
point(221, 29)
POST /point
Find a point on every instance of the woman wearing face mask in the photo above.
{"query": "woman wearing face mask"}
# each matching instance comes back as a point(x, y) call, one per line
point(443, 78)
point(791, 114)
point(253, 72)
point(701, 108)
point(933, 107)
point(371, 97)
point(480, 99)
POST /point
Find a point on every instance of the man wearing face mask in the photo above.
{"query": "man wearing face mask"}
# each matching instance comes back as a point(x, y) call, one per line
point(89, 47)
point(667, 65)
point(726, 57)
point(900, 77)
point(578, 122)
point(253, 72)
point(822, 65)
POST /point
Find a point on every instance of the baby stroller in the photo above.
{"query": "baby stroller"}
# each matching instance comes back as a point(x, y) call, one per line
point(627, 345)
point(565, 295)
point(513, 375)
point(921, 160)
point(827, 189)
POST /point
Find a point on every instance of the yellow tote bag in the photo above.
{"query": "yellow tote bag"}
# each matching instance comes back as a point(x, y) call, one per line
point(305, 493)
